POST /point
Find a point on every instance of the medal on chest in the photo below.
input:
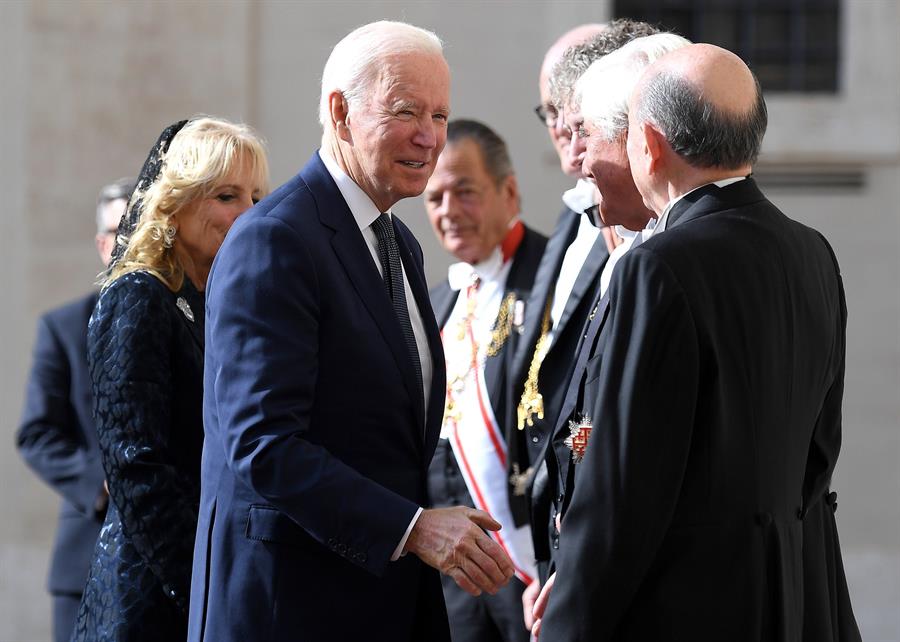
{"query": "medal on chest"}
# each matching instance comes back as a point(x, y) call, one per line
point(579, 433)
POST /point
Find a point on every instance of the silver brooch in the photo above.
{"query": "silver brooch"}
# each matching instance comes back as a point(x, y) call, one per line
point(185, 308)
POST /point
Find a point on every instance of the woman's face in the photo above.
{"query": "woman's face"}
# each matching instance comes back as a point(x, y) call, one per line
point(203, 224)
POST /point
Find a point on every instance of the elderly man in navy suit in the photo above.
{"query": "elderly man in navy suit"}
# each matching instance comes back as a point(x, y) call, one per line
point(324, 382)
point(57, 437)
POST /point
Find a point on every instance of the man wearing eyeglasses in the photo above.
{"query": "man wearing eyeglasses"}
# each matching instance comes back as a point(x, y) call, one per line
point(555, 311)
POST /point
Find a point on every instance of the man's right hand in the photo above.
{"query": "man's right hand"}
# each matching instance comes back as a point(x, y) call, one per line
point(529, 597)
point(452, 541)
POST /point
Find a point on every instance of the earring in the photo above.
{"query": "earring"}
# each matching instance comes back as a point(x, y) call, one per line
point(169, 236)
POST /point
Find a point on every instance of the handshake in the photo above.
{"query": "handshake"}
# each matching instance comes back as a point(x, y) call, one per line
point(453, 540)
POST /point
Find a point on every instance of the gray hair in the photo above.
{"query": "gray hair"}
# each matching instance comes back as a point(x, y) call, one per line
point(355, 61)
point(121, 189)
point(603, 90)
point(493, 148)
point(577, 58)
point(699, 132)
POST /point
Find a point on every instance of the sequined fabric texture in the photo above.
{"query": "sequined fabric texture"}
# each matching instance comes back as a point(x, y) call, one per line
point(146, 362)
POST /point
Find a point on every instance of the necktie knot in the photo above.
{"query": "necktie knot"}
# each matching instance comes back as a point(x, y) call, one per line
point(383, 228)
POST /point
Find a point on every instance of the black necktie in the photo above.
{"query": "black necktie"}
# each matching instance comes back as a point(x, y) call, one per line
point(392, 271)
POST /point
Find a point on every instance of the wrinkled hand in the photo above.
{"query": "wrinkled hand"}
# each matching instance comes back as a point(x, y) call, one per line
point(452, 541)
point(540, 606)
point(529, 596)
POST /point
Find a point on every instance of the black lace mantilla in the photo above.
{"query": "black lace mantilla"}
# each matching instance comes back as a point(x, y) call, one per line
point(149, 173)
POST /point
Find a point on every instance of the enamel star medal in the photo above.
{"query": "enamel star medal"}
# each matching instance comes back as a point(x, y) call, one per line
point(579, 432)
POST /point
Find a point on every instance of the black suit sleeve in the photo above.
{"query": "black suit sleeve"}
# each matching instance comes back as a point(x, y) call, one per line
point(130, 355)
point(629, 482)
point(826, 439)
point(48, 438)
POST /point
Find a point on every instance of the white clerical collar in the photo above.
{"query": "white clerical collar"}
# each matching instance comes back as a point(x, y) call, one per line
point(624, 233)
point(664, 219)
point(580, 197)
point(361, 206)
point(461, 275)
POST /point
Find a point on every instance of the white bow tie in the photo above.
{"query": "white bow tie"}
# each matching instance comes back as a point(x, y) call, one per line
point(462, 275)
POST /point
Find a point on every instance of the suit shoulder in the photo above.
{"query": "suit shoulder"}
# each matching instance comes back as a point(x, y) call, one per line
point(134, 294)
point(73, 314)
point(293, 204)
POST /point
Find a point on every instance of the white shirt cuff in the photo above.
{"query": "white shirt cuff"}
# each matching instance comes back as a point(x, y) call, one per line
point(399, 552)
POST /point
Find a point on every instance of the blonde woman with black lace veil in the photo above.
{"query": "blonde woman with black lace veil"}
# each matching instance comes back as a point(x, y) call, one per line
point(145, 355)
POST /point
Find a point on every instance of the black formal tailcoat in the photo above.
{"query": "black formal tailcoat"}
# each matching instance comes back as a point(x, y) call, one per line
point(317, 436)
point(57, 439)
point(716, 385)
point(557, 365)
point(470, 616)
point(446, 486)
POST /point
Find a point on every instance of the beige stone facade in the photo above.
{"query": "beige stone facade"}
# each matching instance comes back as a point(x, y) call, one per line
point(85, 87)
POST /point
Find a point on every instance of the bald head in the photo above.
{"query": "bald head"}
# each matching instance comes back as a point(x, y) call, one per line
point(707, 104)
point(575, 36)
point(559, 135)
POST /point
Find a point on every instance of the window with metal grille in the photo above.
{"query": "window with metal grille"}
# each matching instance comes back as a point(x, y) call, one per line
point(791, 45)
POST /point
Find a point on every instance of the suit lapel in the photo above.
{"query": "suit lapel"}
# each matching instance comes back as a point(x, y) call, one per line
point(544, 283)
point(583, 282)
point(438, 391)
point(353, 253)
point(443, 298)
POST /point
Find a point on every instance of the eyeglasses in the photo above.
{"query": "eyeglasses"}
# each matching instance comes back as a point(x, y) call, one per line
point(547, 114)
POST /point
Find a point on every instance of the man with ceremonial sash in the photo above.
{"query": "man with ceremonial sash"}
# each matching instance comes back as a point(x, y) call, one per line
point(473, 204)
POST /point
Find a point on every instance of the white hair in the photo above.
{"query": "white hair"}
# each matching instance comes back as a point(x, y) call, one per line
point(355, 61)
point(603, 90)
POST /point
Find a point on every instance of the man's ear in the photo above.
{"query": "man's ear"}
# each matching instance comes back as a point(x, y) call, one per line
point(654, 145)
point(340, 113)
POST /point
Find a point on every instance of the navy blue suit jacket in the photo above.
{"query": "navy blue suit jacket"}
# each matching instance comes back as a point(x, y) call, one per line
point(58, 440)
point(317, 438)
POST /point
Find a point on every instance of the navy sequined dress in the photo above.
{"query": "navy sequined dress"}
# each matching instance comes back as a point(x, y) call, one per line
point(145, 354)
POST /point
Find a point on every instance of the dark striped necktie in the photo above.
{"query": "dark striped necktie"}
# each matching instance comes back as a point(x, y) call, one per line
point(392, 272)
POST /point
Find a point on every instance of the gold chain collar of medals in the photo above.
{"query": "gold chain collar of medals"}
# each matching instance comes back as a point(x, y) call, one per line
point(456, 382)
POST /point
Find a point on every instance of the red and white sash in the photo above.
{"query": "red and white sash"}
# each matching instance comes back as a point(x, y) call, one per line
point(480, 450)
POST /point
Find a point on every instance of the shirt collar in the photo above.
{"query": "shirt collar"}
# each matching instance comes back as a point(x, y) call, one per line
point(580, 197)
point(664, 219)
point(361, 206)
point(462, 275)
point(624, 233)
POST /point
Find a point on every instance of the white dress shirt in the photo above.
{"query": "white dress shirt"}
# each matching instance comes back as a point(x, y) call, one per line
point(577, 199)
point(365, 212)
point(627, 237)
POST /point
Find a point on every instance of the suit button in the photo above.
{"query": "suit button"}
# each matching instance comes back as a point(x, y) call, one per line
point(534, 439)
point(559, 498)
